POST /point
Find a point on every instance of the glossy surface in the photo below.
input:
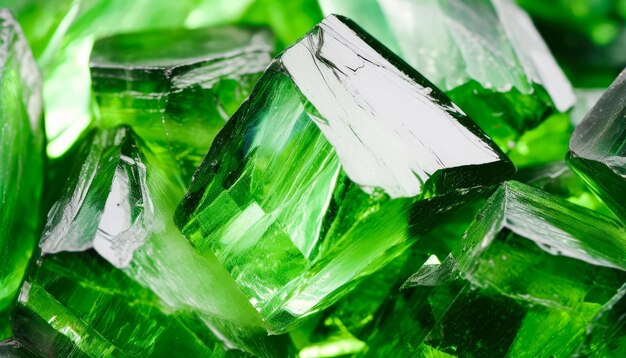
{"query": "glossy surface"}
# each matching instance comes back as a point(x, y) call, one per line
point(486, 55)
point(322, 176)
point(177, 88)
point(21, 156)
point(598, 147)
point(606, 334)
point(532, 273)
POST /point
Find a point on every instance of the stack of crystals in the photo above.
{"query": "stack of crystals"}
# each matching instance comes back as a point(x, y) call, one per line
point(245, 178)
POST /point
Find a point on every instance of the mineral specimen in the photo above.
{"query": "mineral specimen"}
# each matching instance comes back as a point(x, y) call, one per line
point(341, 154)
point(598, 147)
point(532, 273)
point(485, 54)
point(177, 88)
point(21, 156)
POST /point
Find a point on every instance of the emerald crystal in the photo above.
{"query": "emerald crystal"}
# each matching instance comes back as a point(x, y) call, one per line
point(341, 154)
point(606, 334)
point(531, 274)
point(485, 54)
point(598, 147)
point(177, 88)
point(110, 249)
point(21, 156)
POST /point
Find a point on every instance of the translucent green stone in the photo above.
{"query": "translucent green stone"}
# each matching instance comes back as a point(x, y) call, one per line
point(176, 89)
point(13, 349)
point(341, 154)
point(114, 275)
point(485, 54)
point(598, 147)
point(532, 273)
point(606, 335)
point(21, 156)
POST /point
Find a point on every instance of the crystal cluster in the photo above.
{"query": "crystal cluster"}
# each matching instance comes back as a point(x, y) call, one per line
point(249, 178)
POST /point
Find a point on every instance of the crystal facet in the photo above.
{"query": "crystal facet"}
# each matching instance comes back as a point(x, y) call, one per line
point(532, 272)
point(341, 152)
point(598, 147)
point(485, 54)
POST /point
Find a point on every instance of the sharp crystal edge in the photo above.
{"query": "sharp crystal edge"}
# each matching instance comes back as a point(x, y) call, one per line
point(340, 154)
point(485, 54)
point(532, 272)
point(120, 202)
point(21, 156)
point(597, 149)
point(177, 88)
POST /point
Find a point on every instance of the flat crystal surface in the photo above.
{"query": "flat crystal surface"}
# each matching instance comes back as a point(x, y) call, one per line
point(21, 155)
point(312, 183)
point(532, 272)
point(598, 147)
point(177, 88)
point(485, 54)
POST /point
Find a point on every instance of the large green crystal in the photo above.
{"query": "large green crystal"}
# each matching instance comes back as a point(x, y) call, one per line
point(340, 155)
point(532, 272)
point(485, 54)
point(21, 156)
point(177, 88)
point(598, 147)
point(120, 201)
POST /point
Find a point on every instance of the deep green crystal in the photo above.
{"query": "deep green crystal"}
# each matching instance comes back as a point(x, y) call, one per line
point(21, 157)
point(177, 88)
point(606, 334)
point(598, 147)
point(532, 273)
point(341, 153)
point(485, 54)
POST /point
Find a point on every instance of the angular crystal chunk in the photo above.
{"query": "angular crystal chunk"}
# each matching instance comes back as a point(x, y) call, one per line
point(598, 147)
point(532, 272)
point(178, 88)
point(21, 156)
point(341, 152)
point(485, 54)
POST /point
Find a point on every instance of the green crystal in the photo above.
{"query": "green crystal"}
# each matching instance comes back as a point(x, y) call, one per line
point(598, 148)
point(606, 335)
point(341, 153)
point(14, 349)
point(485, 54)
point(177, 88)
point(21, 156)
point(532, 272)
point(119, 202)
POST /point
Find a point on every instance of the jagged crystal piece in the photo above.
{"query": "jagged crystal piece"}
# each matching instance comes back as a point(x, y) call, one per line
point(485, 54)
point(532, 272)
point(21, 156)
point(597, 149)
point(341, 153)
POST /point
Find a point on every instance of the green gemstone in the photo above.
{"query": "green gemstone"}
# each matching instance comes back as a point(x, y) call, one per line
point(606, 335)
point(598, 148)
point(14, 349)
point(177, 88)
point(340, 154)
point(485, 54)
point(111, 255)
point(21, 156)
point(532, 272)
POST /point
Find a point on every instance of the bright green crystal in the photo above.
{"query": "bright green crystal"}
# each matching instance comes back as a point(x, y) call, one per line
point(598, 147)
point(532, 273)
point(485, 54)
point(115, 277)
point(177, 88)
point(341, 154)
point(21, 156)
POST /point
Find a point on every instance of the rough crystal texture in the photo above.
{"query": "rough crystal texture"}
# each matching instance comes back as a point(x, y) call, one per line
point(531, 274)
point(341, 152)
point(485, 54)
point(120, 202)
point(598, 147)
point(177, 88)
point(21, 156)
